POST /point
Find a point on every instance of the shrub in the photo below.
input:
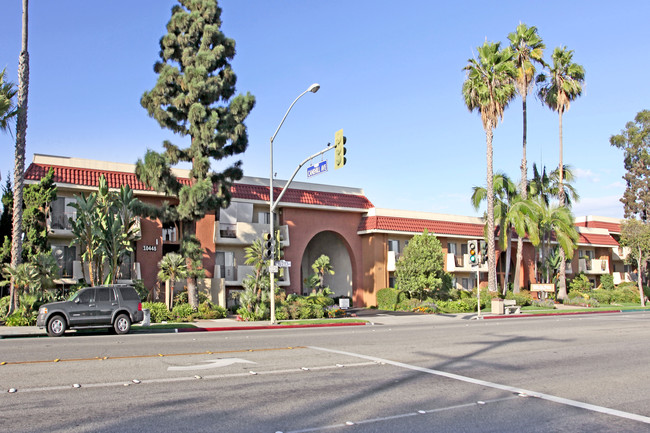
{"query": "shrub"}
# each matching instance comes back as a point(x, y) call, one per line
point(17, 319)
point(458, 306)
point(182, 298)
point(182, 313)
point(335, 311)
point(281, 313)
point(208, 310)
point(603, 296)
point(522, 298)
point(143, 292)
point(387, 298)
point(546, 303)
point(625, 295)
point(158, 311)
point(580, 283)
point(583, 301)
point(607, 282)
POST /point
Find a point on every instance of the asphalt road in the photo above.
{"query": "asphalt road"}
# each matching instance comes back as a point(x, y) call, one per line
point(569, 374)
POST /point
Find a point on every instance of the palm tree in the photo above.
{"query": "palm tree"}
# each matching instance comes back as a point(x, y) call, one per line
point(7, 109)
point(529, 49)
point(488, 89)
point(563, 85)
point(172, 268)
point(322, 266)
point(554, 220)
point(505, 193)
point(19, 165)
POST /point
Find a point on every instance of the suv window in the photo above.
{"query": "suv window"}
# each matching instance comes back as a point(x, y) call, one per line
point(104, 294)
point(129, 293)
point(87, 296)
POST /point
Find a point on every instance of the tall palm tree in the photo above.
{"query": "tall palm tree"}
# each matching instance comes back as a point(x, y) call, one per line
point(19, 166)
point(7, 109)
point(488, 89)
point(528, 49)
point(505, 191)
point(563, 85)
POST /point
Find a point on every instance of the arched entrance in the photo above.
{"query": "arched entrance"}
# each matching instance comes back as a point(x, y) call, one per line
point(332, 245)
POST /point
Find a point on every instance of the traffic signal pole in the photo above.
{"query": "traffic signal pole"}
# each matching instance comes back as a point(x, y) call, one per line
point(273, 205)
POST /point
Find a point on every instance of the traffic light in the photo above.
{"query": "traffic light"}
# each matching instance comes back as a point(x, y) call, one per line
point(339, 150)
point(484, 252)
point(268, 245)
point(279, 252)
point(472, 250)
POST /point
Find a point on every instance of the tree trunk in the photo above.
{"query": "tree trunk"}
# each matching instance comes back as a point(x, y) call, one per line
point(561, 294)
point(19, 167)
point(524, 195)
point(506, 277)
point(492, 277)
point(640, 279)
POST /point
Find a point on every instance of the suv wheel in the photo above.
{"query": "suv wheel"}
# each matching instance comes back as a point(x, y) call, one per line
point(56, 326)
point(122, 324)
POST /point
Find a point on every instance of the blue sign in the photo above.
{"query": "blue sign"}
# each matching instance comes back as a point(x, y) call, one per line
point(313, 170)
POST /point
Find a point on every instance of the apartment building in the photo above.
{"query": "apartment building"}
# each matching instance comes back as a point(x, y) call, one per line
point(363, 242)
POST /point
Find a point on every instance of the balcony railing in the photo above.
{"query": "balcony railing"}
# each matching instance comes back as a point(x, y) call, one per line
point(61, 221)
point(593, 266)
point(243, 233)
point(620, 253)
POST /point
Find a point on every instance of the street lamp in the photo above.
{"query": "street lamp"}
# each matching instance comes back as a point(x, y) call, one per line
point(313, 89)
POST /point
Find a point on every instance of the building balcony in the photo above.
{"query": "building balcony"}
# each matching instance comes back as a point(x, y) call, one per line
point(462, 264)
point(593, 266)
point(623, 277)
point(235, 275)
point(59, 224)
point(242, 233)
point(620, 253)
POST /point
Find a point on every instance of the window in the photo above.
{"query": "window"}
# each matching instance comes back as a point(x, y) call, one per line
point(391, 281)
point(87, 296)
point(169, 232)
point(393, 245)
point(467, 284)
point(451, 248)
point(104, 294)
point(65, 257)
point(61, 213)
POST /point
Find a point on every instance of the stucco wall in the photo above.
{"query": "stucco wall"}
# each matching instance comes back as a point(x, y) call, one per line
point(304, 224)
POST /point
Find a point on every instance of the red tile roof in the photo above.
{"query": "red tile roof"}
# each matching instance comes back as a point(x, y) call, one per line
point(611, 227)
point(90, 177)
point(415, 225)
point(597, 239)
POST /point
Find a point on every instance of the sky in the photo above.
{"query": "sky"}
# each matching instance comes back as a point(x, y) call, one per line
point(390, 74)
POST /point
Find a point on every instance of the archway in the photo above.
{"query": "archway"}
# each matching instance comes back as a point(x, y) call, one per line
point(333, 246)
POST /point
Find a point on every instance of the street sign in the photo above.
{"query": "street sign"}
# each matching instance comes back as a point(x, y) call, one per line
point(273, 269)
point(283, 263)
point(313, 170)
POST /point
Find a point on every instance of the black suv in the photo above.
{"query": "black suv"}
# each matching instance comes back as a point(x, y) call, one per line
point(93, 307)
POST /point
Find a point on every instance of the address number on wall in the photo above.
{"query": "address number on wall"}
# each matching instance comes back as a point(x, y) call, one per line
point(149, 248)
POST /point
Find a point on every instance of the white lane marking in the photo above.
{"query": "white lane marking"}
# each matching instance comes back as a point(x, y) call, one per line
point(398, 416)
point(214, 363)
point(555, 399)
point(191, 378)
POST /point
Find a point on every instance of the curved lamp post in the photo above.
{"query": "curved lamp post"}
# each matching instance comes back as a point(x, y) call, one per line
point(313, 89)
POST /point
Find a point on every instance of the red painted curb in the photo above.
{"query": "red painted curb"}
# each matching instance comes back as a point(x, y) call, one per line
point(573, 313)
point(246, 328)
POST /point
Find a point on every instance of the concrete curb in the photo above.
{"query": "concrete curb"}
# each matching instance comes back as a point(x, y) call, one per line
point(255, 327)
point(568, 313)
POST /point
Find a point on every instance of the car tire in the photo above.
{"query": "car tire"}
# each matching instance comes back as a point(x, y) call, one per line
point(56, 326)
point(122, 324)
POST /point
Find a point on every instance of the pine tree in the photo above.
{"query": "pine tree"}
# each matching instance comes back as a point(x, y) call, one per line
point(194, 97)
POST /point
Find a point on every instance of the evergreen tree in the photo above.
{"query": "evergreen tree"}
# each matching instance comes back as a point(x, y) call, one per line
point(420, 270)
point(634, 140)
point(195, 97)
